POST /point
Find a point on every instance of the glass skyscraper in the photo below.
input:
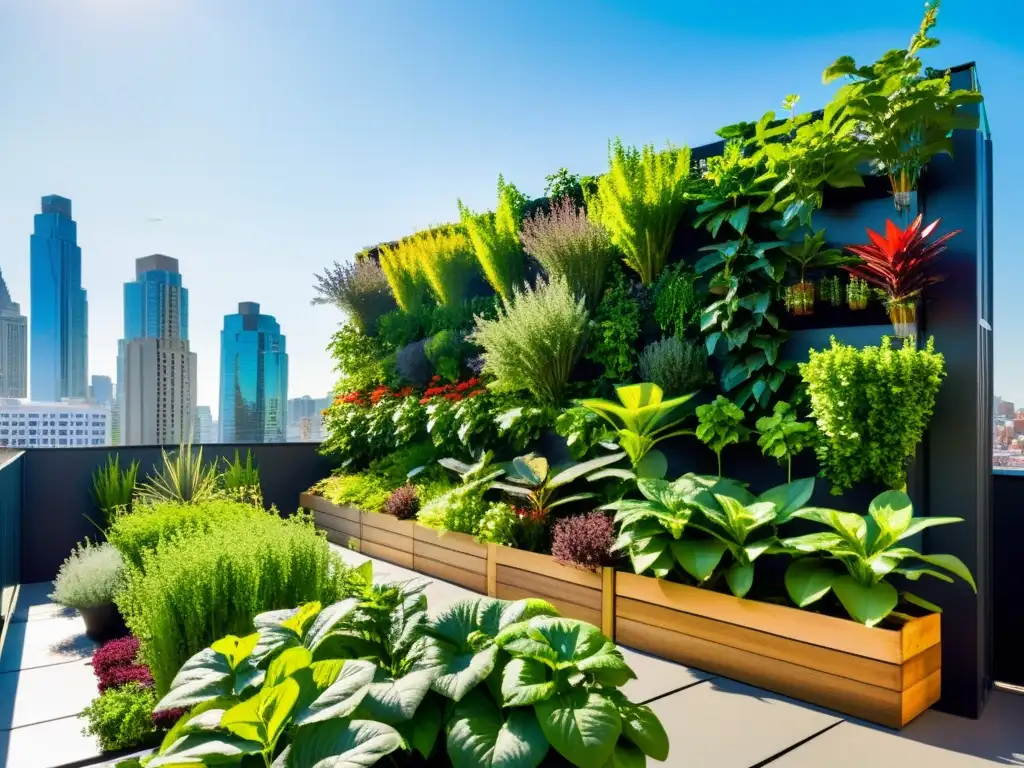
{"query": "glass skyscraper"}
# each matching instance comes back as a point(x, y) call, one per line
point(156, 304)
point(59, 320)
point(253, 378)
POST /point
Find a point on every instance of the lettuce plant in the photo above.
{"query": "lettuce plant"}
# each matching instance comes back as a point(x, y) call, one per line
point(532, 480)
point(855, 557)
point(485, 683)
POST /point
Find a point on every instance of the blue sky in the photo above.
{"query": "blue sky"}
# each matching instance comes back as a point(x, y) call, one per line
point(274, 137)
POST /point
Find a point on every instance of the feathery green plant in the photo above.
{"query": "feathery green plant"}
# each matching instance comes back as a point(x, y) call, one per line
point(242, 480)
point(640, 200)
point(91, 575)
point(359, 289)
point(536, 340)
point(675, 365)
point(404, 274)
point(495, 238)
point(112, 491)
point(445, 259)
point(183, 477)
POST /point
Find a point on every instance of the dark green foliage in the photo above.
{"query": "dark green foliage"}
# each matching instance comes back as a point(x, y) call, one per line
point(583, 430)
point(562, 184)
point(720, 424)
point(357, 359)
point(675, 365)
point(444, 351)
point(616, 328)
point(677, 302)
point(112, 491)
point(782, 436)
point(398, 328)
point(121, 718)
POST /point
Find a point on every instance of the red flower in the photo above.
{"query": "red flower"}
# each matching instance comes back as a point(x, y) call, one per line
point(435, 379)
point(453, 397)
point(434, 391)
point(424, 400)
point(473, 382)
point(463, 386)
point(476, 392)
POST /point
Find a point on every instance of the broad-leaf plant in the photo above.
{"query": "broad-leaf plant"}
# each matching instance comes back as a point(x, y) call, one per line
point(375, 680)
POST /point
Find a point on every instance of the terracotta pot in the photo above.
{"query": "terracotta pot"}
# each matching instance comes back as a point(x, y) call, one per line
point(800, 298)
point(903, 315)
point(103, 623)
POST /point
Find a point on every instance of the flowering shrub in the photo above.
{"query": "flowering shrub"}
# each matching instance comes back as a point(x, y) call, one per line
point(584, 541)
point(403, 503)
point(115, 653)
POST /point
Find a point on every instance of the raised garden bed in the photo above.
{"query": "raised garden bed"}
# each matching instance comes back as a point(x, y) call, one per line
point(454, 557)
point(386, 538)
point(886, 676)
point(340, 523)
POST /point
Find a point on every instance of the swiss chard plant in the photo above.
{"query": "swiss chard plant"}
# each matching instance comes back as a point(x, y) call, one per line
point(374, 680)
point(855, 558)
point(641, 419)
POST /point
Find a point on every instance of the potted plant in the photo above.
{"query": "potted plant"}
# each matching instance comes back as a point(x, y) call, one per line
point(898, 264)
point(88, 581)
point(810, 254)
point(831, 291)
point(857, 294)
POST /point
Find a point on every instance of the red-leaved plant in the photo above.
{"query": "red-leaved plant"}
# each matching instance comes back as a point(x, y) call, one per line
point(584, 541)
point(900, 263)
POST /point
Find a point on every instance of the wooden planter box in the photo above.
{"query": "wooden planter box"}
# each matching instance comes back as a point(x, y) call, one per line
point(454, 557)
point(885, 676)
point(340, 523)
point(386, 538)
point(577, 594)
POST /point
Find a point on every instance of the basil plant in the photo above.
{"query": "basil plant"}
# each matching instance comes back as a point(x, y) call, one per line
point(374, 680)
point(856, 556)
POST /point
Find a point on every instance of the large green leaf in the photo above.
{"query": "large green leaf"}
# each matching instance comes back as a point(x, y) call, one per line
point(287, 664)
point(868, 605)
point(892, 512)
point(327, 620)
point(421, 732)
point(394, 700)
point(205, 748)
point(342, 744)
point(462, 670)
point(480, 737)
point(343, 695)
point(525, 682)
point(205, 676)
point(789, 498)
point(850, 526)
point(607, 665)
point(808, 580)
point(698, 557)
point(582, 725)
point(652, 465)
point(626, 755)
point(577, 471)
point(740, 578)
point(919, 524)
point(642, 727)
point(263, 717)
point(951, 563)
point(571, 640)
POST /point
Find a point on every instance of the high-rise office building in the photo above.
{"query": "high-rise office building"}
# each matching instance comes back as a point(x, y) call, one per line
point(60, 311)
point(253, 378)
point(101, 391)
point(305, 418)
point(53, 425)
point(156, 370)
point(13, 346)
point(205, 426)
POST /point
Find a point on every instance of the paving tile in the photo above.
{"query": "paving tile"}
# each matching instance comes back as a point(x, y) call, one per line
point(45, 693)
point(47, 745)
point(39, 643)
point(998, 735)
point(724, 724)
point(34, 603)
point(657, 677)
point(851, 745)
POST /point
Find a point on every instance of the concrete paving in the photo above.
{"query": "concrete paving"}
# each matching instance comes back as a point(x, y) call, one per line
point(713, 722)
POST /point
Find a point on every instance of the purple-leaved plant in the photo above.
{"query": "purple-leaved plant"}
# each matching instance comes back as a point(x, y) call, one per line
point(584, 541)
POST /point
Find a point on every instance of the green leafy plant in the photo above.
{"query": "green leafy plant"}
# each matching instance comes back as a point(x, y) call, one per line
point(857, 294)
point(445, 258)
point(151, 524)
point(536, 340)
point(121, 718)
point(720, 424)
point(183, 477)
point(462, 509)
point(241, 480)
point(675, 365)
point(616, 328)
point(359, 289)
point(191, 590)
point(485, 683)
point(871, 406)
point(812, 254)
point(499, 524)
point(444, 351)
point(640, 201)
point(677, 303)
point(563, 185)
point(831, 291)
point(641, 419)
point(531, 479)
point(782, 436)
point(92, 575)
point(495, 238)
point(568, 244)
point(856, 556)
point(583, 430)
point(357, 359)
point(363, 490)
point(404, 273)
point(112, 491)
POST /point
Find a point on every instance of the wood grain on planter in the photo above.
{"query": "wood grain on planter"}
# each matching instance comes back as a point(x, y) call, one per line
point(387, 538)
point(454, 557)
point(340, 523)
point(887, 676)
point(576, 593)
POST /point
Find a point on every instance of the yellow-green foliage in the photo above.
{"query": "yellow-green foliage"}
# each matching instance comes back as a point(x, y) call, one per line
point(640, 200)
point(495, 238)
point(445, 258)
point(405, 276)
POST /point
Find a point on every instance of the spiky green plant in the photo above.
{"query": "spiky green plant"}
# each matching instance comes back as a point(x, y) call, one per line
point(182, 477)
point(112, 491)
point(241, 480)
point(640, 200)
point(404, 274)
point(536, 340)
point(360, 290)
point(495, 238)
point(446, 260)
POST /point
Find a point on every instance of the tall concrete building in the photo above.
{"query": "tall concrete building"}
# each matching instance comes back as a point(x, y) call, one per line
point(101, 391)
point(13, 347)
point(53, 425)
point(206, 428)
point(156, 370)
point(60, 311)
point(253, 378)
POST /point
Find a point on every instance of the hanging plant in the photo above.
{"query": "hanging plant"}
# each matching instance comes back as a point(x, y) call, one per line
point(857, 294)
point(810, 254)
point(831, 291)
point(898, 265)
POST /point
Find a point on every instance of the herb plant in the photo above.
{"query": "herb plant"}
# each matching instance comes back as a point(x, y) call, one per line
point(360, 290)
point(183, 477)
point(640, 201)
point(495, 238)
point(677, 302)
point(121, 718)
point(871, 406)
point(536, 341)
point(811, 254)
point(404, 272)
point(444, 351)
point(616, 328)
point(531, 479)
point(782, 436)
point(241, 480)
point(445, 258)
point(675, 365)
point(403, 503)
point(720, 424)
point(584, 541)
point(357, 359)
point(856, 555)
point(112, 491)
point(583, 430)
point(92, 575)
